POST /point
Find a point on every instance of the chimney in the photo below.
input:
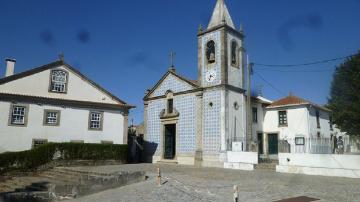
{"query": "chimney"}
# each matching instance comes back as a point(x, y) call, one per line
point(10, 67)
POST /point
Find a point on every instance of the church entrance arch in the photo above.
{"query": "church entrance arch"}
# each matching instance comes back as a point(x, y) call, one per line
point(170, 141)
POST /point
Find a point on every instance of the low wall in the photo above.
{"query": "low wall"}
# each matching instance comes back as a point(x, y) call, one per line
point(241, 160)
point(320, 164)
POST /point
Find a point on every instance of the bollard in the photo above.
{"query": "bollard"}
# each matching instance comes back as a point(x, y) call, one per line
point(159, 177)
point(236, 193)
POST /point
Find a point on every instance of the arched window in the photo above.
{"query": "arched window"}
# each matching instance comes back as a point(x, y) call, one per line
point(210, 52)
point(58, 81)
point(170, 102)
point(234, 53)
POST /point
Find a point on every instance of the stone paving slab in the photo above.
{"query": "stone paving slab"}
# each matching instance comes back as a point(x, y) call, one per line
point(185, 183)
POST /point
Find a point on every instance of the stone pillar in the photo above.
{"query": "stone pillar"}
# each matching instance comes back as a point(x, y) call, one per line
point(125, 133)
point(265, 144)
point(199, 119)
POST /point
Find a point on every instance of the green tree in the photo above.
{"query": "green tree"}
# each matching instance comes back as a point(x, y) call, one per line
point(344, 98)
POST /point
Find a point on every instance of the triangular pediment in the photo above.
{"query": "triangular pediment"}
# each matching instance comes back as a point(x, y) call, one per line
point(171, 82)
point(36, 82)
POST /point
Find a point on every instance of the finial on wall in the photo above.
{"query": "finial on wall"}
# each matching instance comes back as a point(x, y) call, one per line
point(241, 28)
point(200, 29)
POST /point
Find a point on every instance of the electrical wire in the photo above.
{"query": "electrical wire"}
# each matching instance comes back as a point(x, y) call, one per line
point(306, 64)
point(272, 86)
point(296, 71)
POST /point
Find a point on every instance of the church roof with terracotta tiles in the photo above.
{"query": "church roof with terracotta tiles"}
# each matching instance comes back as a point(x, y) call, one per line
point(292, 100)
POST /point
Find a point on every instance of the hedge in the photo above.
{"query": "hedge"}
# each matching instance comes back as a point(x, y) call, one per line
point(41, 155)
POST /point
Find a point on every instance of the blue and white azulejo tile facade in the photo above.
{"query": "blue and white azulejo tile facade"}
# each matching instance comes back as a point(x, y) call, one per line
point(153, 122)
point(212, 122)
point(187, 123)
point(171, 83)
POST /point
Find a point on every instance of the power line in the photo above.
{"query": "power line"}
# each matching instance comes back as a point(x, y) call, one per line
point(305, 64)
point(309, 71)
point(272, 86)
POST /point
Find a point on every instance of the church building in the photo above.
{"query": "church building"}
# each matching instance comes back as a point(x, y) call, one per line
point(190, 122)
point(201, 122)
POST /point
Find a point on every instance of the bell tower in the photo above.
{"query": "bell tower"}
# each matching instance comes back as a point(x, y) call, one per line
point(220, 50)
point(220, 73)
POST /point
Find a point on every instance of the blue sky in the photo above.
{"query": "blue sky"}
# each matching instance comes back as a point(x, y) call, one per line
point(124, 45)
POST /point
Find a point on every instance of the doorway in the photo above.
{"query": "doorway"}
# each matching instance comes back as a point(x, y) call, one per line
point(260, 143)
point(273, 143)
point(170, 141)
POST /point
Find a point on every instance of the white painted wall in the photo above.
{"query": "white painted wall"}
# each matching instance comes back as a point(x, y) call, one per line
point(298, 124)
point(320, 164)
point(38, 85)
point(324, 123)
point(259, 126)
point(242, 157)
point(236, 118)
point(241, 160)
point(73, 126)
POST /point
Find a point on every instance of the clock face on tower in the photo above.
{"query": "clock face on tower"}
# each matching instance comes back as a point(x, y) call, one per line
point(210, 76)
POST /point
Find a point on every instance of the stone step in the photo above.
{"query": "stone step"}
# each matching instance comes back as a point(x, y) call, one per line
point(266, 166)
point(60, 178)
point(168, 162)
point(75, 172)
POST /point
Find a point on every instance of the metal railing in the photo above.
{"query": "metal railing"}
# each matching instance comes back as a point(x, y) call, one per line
point(313, 146)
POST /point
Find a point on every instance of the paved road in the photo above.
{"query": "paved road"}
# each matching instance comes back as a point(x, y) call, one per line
point(182, 183)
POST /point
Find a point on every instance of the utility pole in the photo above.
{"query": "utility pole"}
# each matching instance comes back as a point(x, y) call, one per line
point(249, 137)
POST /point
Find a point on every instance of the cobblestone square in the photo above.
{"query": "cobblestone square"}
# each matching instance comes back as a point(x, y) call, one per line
point(185, 183)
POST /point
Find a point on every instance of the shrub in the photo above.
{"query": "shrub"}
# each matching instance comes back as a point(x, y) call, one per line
point(32, 159)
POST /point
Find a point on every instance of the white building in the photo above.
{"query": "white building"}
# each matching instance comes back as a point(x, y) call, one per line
point(56, 103)
point(301, 123)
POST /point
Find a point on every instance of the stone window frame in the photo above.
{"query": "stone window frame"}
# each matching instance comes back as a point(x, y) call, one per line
point(101, 121)
point(26, 115)
point(237, 58)
point(66, 83)
point(58, 118)
point(169, 97)
point(34, 144)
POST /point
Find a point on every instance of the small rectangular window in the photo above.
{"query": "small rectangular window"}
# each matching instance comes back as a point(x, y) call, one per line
point(95, 121)
point(38, 142)
point(318, 119)
point(283, 118)
point(299, 141)
point(18, 115)
point(58, 81)
point(170, 106)
point(254, 114)
point(51, 117)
